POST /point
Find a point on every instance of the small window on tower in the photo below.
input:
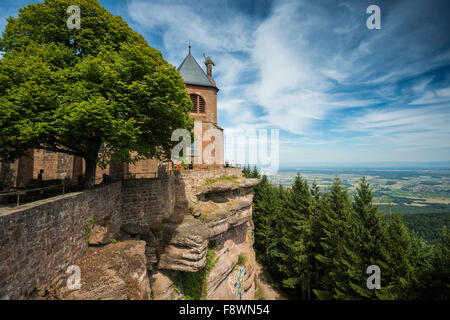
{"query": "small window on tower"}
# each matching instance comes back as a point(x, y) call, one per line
point(198, 103)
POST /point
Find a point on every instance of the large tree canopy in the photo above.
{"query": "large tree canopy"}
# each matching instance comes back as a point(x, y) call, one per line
point(70, 90)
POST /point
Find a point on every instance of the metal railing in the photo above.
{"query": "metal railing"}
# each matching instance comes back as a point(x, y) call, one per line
point(38, 193)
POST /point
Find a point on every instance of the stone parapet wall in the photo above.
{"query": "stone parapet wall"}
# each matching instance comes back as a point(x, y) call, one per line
point(147, 201)
point(189, 180)
point(40, 240)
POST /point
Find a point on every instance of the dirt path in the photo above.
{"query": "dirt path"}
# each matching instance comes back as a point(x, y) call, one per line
point(267, 290)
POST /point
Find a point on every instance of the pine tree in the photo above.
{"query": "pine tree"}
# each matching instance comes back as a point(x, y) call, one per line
point(438, 279)
point(265, 207)
point(334, 221)
point(255, 173)
point(313, 243)
point(398, 274)
point(275, 245)
point(421, 255)
point(294, 260)
point(364, 246)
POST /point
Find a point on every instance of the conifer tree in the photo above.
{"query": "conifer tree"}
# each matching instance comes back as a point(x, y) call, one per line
point(294, 260)
point(438, 279)
point(246, 172)
point(255, 173)
point(399, 271)
point(265, 206)
point(364, 246)
point(334, 221)
point(313, 243)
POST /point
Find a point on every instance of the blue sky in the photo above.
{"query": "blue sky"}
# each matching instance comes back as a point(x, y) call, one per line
point(338, 92)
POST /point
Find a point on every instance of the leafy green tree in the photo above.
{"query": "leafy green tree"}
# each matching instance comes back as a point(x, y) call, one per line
point(70, 90)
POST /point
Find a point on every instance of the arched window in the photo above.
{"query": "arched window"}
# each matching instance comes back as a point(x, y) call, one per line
point(198, 103)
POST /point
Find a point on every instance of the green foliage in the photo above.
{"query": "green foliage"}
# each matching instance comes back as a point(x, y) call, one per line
point(69, 90)
point(434, 282)
point(258, 292)
point(241, 259)
point(194, 283)
point(209, 181)
point(88, 227)
point(249, 173)
point(317, 244)
point(428, 225)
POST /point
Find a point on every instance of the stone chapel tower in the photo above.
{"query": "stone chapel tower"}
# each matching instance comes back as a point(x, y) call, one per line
point(202, 89)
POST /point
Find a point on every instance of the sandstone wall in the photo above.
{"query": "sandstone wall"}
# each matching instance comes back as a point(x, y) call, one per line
point(40, 240)
point(176, 215)
point(146, 201)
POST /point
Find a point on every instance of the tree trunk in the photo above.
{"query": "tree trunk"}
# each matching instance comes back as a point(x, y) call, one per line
point(89, 177)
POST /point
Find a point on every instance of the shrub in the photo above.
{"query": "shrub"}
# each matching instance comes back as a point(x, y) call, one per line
point(194, 283)
point(242, 259)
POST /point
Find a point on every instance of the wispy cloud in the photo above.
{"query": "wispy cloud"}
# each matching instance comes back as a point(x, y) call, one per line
point(315, 71)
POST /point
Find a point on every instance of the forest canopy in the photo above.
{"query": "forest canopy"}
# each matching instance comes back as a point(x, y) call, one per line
point(318, 244)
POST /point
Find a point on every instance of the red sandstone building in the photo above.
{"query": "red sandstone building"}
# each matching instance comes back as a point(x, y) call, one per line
point(202, 89)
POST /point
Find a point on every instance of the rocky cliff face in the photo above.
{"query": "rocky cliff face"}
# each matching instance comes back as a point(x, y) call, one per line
point(203, 250)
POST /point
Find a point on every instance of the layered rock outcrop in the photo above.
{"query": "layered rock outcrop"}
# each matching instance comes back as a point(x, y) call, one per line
point(206, 233)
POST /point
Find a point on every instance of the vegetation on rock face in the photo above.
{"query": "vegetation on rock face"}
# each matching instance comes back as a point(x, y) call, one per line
point(73, 90)
point(209, 181)
point(317, 244)
point(89, 225)
point(193, 284)
point(242, 259)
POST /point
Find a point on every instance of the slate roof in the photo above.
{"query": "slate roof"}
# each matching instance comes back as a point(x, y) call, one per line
point(192, 73)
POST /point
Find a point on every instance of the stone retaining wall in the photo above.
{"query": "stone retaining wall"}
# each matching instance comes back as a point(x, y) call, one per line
point(40, 240)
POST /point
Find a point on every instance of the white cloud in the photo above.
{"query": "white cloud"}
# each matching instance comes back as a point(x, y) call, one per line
point(416, 128)
point(431, 97)
point(304, 64)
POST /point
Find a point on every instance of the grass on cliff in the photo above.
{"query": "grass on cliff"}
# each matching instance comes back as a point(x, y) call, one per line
point(241, 259)
point(194, 283)
point(209, 181)
point(89, 225)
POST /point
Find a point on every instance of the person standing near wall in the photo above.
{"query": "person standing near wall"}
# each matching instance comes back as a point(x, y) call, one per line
point(41, 172)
